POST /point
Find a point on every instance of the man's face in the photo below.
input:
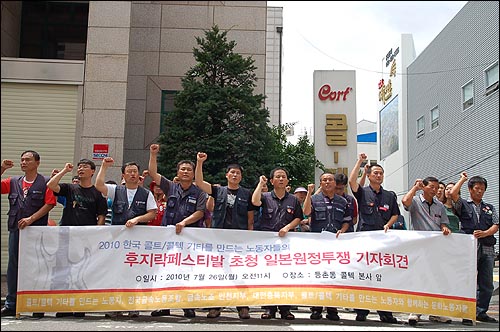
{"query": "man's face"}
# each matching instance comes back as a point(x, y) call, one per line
point(131, 174)
point(376, 175)
point(28, 162)
point(327, 183)
point(185, 173)
point(84, 171)
point(477, 192)
point(280, 179)
point(431, 188)
point(234, 176)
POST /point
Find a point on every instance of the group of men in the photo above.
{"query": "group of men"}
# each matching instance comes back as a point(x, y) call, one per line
point(31, 197)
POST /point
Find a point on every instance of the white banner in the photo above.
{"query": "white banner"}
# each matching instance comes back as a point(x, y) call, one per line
point(105, 268)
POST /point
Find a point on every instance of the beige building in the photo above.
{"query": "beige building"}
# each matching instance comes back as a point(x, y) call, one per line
point(86, 79)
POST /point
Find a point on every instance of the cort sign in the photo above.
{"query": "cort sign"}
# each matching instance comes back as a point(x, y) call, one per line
point(325, 92)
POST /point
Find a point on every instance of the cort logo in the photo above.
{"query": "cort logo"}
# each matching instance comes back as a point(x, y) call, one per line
point(325, 92)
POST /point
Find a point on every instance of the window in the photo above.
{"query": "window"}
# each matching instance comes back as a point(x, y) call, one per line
point(420, 127)
point(467, 95)
point(434, 118)
point(491, 78)
point(167, 105)
point(54, 29)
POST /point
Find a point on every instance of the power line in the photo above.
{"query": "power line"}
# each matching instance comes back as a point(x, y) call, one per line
point(382, 72)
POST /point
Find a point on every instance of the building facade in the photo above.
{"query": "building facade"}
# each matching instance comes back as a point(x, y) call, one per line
point(452, 119)
point(94, 78)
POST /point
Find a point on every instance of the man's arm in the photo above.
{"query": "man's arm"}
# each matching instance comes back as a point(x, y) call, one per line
point(53, 183)
point(363, 176)
point(153, 164)
point(353, 176)
point(35, 216)
point(198, 175)
point(250, 216)
point(197, 215)
point(343, 229)
point(408, 197)
point(143, 218)
point(455, 191)
point(391, 222)
point(6, 164)
point(201, 205)
point(101, 220)
point(292, 225)
point(307, 201)
point(298, 215)
point(257, 193)
point(101, 176)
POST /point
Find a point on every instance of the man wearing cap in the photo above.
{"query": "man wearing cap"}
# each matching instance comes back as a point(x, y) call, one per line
point(301, 193)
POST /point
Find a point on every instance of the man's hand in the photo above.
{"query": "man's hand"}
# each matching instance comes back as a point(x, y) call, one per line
point(179, 226)
point(106, 162)
point(154, 149)
point(68, 168)
point(25, 222)
point(201, 156)
point(7, 163)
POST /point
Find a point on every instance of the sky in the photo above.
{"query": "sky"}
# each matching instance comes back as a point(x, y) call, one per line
point(326, 35)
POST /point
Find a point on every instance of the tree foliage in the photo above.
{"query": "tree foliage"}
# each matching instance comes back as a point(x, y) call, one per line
point(298, 159)
point(217, 112)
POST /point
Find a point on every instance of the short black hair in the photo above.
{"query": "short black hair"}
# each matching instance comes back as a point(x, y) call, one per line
point(429, 179)
point(477, 179)
point(234, 166)
point(369, 170)
point(185, 162)
point(340, 178)
point(86, 162)
point(271, 175)
point(130, 163)
point(34, 153)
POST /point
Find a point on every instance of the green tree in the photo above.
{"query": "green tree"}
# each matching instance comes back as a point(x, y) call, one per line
point(217, 112)
point(298, 159)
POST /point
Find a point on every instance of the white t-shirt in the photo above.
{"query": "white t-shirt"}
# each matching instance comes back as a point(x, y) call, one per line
point(150, 205)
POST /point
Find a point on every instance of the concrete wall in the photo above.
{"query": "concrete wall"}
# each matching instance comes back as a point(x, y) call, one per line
point(11, 28)
point(162, 38)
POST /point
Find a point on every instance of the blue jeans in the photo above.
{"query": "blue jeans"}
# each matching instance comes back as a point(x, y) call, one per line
point(10, 300)
point(485, 264)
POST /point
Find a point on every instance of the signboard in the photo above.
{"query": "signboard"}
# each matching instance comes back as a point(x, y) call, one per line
point(107, 268)
point(100, 151)
point(335, 128)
